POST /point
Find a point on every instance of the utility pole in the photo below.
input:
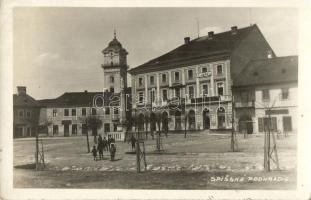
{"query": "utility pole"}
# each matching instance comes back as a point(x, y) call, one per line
point(234, 144)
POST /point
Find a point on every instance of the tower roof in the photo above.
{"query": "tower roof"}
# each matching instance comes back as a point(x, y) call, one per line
point(114, 46)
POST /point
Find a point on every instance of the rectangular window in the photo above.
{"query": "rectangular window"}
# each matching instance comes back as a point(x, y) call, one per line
point(93, 111)
point(28, 114)
point(84, 129)
point(83, 111)
point(177, 92)
point(164, 95)
point(115, 110)
point(244, 96)
point(73, 112)
point(204, 69)
point(115, 127)
point(21, 113)
point(140, 82)
point(205, 90)
point(176, 76)
point(107, 127)
point(285, 93)
point(74, 129)
point(163, 78)
point(66, 112)
point(140, 97)
point(55, 129)
point(151, 80)
point(287, 123)
point(111, 79)
point(265, 95)
point(107, 111)
point(190, 74)
point(219, 69)
point(220, 88)
point(152, 96)
point(54, 112)
point(191, 91)
point(269, 124)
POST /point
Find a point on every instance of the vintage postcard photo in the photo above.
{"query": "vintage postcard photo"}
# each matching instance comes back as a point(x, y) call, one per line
point(154, 98)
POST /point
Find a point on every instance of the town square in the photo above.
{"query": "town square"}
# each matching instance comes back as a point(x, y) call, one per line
point(155, 98)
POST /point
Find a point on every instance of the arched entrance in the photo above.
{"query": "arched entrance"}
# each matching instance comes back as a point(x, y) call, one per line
point(152, 122)
point(177, 120)
point(246, 124)
point(191, 120)
point(164, 121)
point(221, 117)
point(141, 121)
point(206, 119)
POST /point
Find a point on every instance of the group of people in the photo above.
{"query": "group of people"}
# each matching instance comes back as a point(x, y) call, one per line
point(104, 145)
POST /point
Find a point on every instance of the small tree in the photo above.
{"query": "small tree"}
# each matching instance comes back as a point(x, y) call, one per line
point(93, 123)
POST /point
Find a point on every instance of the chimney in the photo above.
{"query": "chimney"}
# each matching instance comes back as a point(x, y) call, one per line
point(85, 91)
point(210, 34)
point(21, 90)
point(234, 30)
point(187, 40)
point(269, 54)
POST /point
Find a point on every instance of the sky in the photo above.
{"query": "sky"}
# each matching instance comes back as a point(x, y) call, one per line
point(58, 50)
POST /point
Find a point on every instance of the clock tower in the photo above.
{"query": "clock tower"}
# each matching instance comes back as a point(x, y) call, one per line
point(115, 66)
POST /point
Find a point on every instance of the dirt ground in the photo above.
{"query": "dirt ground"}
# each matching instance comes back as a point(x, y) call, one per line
point(191, 162)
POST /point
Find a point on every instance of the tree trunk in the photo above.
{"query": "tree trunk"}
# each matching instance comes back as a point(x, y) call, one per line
point(37, 149)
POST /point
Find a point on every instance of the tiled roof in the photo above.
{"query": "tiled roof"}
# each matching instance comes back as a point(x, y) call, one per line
point(221, 43)
point(24, 100)
point(268, 71)
point(71, 99)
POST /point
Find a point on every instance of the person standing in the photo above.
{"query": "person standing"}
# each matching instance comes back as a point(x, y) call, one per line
point(133, 142)
point(94, 152)
point(113, 150)
point(105, 144)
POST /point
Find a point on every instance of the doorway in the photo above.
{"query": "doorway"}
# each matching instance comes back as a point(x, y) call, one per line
point(206, 119)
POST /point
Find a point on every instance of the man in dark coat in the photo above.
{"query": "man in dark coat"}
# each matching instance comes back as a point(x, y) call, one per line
point(133, 141)
point(113, 150)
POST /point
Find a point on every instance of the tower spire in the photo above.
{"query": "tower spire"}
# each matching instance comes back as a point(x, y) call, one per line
point(114, 33)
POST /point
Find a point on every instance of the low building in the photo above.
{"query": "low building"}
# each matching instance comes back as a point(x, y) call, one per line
point(190, 86)
point(25, 114)
point(66, 115)
point(267, 87)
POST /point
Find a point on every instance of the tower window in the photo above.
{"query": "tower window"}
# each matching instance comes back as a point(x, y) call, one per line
point(111, 63)
point(220, 88)
point(111, 79)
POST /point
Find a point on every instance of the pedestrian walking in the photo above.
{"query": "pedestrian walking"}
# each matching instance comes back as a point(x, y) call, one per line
point(94, 152)
point(113, 150)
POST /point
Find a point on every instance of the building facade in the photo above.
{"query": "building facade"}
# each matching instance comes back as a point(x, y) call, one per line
point(190, 86)
point(25, 114)
point(268, 87)
point(67, 114)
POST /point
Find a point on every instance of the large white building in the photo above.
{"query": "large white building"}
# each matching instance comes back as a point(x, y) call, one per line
point(200, 73)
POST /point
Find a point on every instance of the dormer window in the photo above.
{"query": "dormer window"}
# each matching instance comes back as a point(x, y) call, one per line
point(204, 69)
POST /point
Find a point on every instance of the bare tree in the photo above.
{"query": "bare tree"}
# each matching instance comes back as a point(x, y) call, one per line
point(92, 123)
